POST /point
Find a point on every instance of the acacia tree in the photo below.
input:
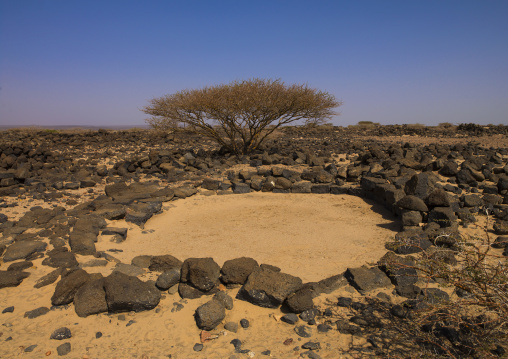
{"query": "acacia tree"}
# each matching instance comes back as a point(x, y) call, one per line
point(242, 114)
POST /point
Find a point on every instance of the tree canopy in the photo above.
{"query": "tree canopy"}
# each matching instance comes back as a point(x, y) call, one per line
point(242, 114)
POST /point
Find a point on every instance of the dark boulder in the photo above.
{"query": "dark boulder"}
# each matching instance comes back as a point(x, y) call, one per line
point(236, 271)
point(209, 315)
point(60, 257)
point(126, 293)
point(410, 242)
point(164, 263)
point(268, 289)
point(300, 301)
point(241, 188)
point(302, 187)
point(11, 278)
point(438, 198)
point(500, 227)
point(444, 216)
point(412, 203)
point(201, 273)
point(67, 287)
point(91, 298)
point(367, 279)
point(82, 242)
point(421, 185)
point(472, 200)
point(168, 279)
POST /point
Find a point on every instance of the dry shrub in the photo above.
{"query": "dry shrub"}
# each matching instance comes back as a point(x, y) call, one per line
point(476, 323)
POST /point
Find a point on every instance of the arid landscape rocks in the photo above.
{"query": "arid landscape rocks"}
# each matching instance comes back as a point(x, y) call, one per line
point(82, 182)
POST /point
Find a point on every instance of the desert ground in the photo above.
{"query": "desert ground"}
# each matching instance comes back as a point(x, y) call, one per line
point(137, 244)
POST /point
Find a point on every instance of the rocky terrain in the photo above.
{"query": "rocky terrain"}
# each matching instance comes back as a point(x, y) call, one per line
point(62, 193)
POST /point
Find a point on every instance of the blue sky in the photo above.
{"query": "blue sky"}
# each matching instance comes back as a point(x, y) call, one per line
point(97, 63)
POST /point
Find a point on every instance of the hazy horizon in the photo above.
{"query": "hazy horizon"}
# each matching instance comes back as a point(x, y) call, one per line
point(91, 63)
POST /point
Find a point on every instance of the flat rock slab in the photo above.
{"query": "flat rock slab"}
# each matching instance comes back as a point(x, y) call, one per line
point(68, 286)
point(91, 298)
point(367, 279)
point(269, 289)
point(129, 269)
point(11, 278)
point(23, 249)
point(126, 293)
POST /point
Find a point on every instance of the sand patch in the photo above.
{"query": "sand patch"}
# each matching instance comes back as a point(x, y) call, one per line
point(310, 236)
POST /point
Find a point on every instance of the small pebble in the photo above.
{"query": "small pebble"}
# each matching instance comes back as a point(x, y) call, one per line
point(121, 317)
point(98, 335)
point(312, 345)
point(266, 352)
point(130, 323)
point(30, 348)
point(244, 323)
point(8, 310)
point(198, 347)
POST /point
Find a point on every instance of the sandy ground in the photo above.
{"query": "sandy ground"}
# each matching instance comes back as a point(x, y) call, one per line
point(311, 236)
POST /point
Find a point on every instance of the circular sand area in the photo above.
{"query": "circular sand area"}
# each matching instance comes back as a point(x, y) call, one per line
point(310, 236)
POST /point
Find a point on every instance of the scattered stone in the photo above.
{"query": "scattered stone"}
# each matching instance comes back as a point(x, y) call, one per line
point(19, 266)
point(31, 314)
point(30, 348)
point(63, 349)
point(311, 345)
point(47, 279)
point(23, 249)
point(309, 314)
point(323, 328)
point(168, 279)
point(8, 310)
point(303, 331)
point(231, 327)
point(290, 318)
point(209, 315)
point(244, 323)
point(11, 278)
point(61, 334)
